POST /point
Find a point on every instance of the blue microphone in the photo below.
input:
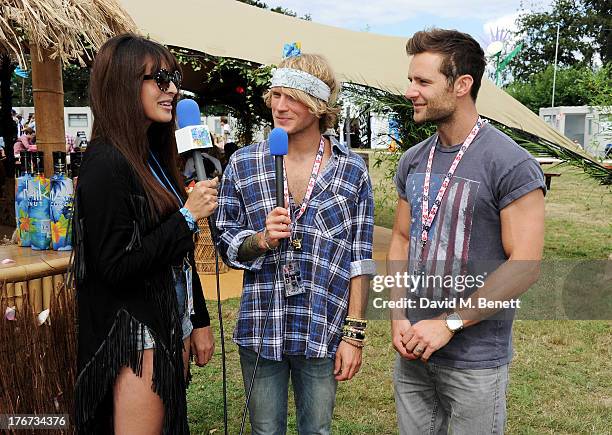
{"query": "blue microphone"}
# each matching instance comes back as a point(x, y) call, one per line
point(187, 113)
point(192, 135)
point(279, 146)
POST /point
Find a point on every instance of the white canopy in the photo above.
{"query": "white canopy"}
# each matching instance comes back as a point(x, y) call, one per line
point(233, 29)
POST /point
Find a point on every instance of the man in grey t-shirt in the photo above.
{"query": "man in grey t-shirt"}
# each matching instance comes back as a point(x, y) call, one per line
point(476, 248)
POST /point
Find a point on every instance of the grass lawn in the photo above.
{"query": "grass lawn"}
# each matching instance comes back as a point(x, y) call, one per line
point(561, 373)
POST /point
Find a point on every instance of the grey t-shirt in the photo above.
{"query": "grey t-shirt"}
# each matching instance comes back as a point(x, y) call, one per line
point(465, 237)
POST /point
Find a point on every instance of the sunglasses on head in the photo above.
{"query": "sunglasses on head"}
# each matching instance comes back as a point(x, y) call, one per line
point(163, 78)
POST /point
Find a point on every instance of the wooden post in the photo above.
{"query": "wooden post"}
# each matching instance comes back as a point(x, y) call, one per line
point(48, 91)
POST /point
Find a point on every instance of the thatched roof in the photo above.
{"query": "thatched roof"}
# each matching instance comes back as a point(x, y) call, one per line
point(67, 28)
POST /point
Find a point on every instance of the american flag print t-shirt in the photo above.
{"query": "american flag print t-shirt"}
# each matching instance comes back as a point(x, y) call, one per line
point(465, 237)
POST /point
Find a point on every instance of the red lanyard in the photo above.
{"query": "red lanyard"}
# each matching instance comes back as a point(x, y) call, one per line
point(428, 216)
point(313, 178)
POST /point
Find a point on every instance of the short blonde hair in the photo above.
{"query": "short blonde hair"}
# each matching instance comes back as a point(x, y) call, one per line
point(317, 65)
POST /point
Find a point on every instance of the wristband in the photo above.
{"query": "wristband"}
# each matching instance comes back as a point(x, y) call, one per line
point(191, 222)
point(353, 333)
point(357, 323)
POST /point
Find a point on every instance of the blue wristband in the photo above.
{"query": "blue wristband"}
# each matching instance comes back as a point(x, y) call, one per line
point(191, 222)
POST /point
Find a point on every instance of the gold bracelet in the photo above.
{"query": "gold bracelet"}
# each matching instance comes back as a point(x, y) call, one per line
point(356, 323)
point(354, 319)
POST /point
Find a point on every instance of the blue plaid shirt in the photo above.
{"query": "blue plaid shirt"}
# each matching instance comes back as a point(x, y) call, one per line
point(336, 231)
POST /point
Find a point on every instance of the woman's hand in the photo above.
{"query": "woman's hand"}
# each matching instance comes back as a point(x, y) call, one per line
point(202, 200)
point(202, 345)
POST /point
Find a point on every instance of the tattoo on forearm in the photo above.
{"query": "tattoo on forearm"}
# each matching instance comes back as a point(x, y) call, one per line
point(250, 249)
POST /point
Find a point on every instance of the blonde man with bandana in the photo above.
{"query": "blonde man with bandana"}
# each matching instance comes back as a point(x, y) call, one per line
point(322, 241)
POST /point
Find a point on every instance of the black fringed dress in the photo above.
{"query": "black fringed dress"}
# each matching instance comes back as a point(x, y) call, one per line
point(123, 270)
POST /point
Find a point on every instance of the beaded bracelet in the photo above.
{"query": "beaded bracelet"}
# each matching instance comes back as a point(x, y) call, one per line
point(358, 323)
point(354, 319)
point(352, 343)
point(354, 329)
point(356, 335)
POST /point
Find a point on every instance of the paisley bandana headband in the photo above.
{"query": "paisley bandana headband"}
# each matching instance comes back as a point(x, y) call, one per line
point(301, 80)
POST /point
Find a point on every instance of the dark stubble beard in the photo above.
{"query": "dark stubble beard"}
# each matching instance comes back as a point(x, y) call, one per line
point(438, 112)
point(439, 115)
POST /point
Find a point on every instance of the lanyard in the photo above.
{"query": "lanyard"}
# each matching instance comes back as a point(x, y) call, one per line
point(313, 178)
point(186, 266)
point(428, 216)
point(168, 183)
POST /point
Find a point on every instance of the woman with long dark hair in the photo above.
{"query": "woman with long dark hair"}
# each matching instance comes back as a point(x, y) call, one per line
point(140, 303)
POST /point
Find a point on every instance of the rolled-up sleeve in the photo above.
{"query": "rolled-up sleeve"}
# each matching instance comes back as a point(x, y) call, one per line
point(362, 229)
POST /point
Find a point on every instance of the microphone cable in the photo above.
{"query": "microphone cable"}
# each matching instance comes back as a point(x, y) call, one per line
point(263, 330)
point(213, 231)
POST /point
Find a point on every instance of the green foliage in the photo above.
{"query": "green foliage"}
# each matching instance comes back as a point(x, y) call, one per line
point(584, 36)
point(250, 111)
point(76, 86)
point(75, 81)
point(397, 106)
point(542, 148)
point(277, 9)
point(575, 86)
point(242, 84)
point(22, 88)
point(597, 86)
point(8, 130)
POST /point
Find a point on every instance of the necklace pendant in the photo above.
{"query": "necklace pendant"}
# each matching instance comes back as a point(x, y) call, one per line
point(297, 244)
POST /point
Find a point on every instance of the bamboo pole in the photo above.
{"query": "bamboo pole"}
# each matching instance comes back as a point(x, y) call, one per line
point(35, 295)
point(47, 292)
point(20, 289)
point(10, 294)
point(48, 91)
point(58, 282)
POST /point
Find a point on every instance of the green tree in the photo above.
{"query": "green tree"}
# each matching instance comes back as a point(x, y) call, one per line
point(597, 86)
point(75, 81)
point(21, 91)
point(584, 36)
point(575, 86)
point(76, 86)
point(601, 23)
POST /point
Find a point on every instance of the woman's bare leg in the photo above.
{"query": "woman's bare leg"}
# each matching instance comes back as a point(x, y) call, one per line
point(137, 409)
